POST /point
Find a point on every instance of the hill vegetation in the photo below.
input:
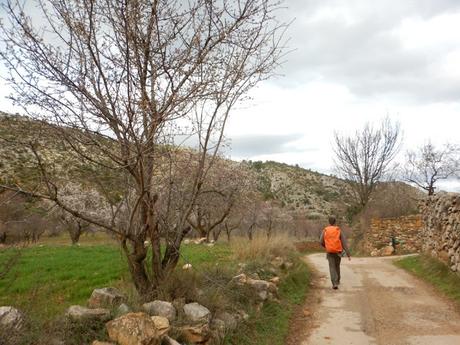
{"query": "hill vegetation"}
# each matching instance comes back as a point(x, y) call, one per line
point(282, 197)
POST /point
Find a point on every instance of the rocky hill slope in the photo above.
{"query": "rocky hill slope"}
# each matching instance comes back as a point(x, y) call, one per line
point(295, 189)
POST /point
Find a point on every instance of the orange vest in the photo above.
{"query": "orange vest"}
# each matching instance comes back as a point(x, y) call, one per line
point(332, 239)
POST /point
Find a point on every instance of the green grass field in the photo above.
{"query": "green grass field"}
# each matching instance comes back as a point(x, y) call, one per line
point(51, 276)
point(434, 272)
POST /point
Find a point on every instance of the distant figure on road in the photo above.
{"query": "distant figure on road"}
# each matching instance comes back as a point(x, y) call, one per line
point(335, 243)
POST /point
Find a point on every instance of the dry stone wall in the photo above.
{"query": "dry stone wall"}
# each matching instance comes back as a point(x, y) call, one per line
point(406, 230)
point(441, 228)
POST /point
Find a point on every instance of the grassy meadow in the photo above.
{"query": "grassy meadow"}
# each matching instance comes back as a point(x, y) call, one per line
point(52, 275)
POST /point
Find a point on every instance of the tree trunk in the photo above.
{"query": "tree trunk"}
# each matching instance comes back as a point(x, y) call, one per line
point(216, 234)
point(75, 232)
point(137, 269)
point(250, 230)
point(172, 253)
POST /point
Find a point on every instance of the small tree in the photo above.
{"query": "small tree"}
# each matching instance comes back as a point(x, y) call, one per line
point(363, 158)
point(84, 199)
point(427, 165)
point(21, 218)
point(270, 217)
point(221, 191)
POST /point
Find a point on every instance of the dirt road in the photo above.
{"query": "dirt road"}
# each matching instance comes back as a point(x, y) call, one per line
point(378, 303)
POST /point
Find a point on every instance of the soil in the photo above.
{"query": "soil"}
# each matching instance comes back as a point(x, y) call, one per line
point(377, 304)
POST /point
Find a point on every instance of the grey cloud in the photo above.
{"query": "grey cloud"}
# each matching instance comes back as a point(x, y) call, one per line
point(365, 55)
point(255, 144)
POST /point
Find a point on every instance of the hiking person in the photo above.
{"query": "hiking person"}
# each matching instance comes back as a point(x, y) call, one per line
point(335, 243)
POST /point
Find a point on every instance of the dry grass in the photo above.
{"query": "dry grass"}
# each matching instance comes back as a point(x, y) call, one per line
point(262, 248)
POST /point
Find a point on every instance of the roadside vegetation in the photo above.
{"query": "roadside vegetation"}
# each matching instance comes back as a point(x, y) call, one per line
point(50, 277)
point(434, 272)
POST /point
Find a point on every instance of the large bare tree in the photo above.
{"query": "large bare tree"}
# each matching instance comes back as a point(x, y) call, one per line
point(428, 164)
point(363, 158)
point(120, 86)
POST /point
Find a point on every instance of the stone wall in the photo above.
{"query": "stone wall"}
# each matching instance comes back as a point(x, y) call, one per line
point(441, 228)
point(406, 230)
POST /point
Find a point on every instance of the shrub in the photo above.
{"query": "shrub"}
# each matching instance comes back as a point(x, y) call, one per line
point(261, 247)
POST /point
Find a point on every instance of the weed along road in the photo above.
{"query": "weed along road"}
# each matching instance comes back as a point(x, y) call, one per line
point(378, 303)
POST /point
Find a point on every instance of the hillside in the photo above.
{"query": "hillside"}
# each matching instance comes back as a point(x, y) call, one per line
point(309, 193)
point(315, 194)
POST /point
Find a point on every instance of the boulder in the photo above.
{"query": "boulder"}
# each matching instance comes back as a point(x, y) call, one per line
point(263, 295)
point(201, 240)
point(229, 321)
point(275, 280)
point(240, 279)
point(123, 309)
point(135, 329)
point(97, 342)
point(263, 288)
point(160, 308)
point(79, 313)
point(196, 335)
point(106, 297)
point(11, 318)
point(161, 324)
point(195, 312)
point(187, 267)
point(387, 251)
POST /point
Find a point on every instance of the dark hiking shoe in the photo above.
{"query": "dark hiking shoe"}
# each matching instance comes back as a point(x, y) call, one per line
point(335, 287)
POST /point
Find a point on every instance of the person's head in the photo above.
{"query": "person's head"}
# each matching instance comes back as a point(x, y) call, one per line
point(332, 220)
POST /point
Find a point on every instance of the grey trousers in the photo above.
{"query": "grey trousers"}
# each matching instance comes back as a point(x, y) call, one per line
point(334, 267)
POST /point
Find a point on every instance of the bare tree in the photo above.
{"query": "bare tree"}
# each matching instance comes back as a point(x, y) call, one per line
point(85, 199)
point(217, 198)
point(427, 165)
point(270, 217)
point(363, 158)
point(228, 187)
point(121, 85)
point(21, 218)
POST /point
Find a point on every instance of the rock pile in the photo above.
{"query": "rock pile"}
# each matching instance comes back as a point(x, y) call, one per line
point(441, 228)
point(158, 321)
point(264, 289)
point(106, 297)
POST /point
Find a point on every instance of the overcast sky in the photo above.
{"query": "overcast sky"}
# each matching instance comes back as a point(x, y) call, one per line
point(353, 61)
point(356, 62)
